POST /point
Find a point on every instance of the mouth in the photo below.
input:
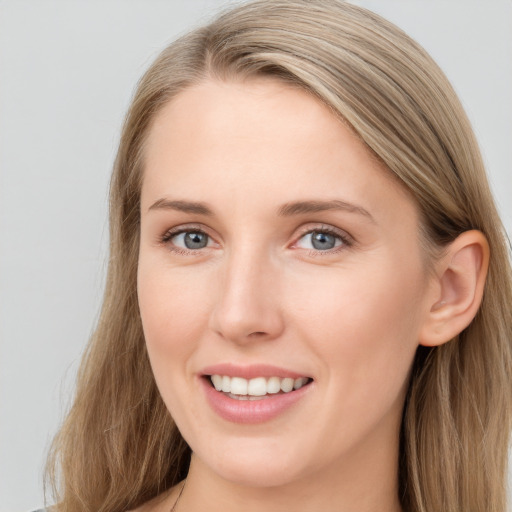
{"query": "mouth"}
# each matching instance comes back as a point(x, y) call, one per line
point(257, 388)
point(255, 393)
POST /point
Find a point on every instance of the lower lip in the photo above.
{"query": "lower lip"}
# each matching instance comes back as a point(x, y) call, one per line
point(251, 411)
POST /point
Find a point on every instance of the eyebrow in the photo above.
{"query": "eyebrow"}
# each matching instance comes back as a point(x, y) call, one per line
point(302, 207)
point(286, 210)
point(181, 206)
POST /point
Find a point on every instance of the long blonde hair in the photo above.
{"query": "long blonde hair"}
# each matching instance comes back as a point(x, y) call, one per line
point(119, 447)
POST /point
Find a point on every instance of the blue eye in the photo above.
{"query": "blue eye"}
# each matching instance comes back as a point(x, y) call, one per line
point(191, 240)
point(320, 240)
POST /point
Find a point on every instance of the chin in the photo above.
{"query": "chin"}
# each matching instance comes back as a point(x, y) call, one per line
point(256, 465)
point(256, 475)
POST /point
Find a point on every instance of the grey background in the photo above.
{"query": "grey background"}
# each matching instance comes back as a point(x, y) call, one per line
point(67, 72)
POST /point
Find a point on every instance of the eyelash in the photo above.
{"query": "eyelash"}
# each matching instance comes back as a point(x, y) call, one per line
point(346, 240)
point(168, 235)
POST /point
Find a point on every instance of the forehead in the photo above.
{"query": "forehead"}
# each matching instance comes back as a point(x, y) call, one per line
point(273, 140)
point(235, 113)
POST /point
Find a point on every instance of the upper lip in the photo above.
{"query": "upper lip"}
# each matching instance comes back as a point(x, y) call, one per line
point(250, 371)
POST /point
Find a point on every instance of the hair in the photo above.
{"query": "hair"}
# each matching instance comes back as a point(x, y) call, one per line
point(119, 447)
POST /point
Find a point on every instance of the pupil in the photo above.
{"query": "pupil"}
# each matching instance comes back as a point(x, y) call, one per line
point(323, 241)
point(195, 240)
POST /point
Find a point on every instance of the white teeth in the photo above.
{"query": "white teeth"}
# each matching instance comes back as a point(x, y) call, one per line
point(273, 385)
point(238, 386)
point(226, 384)
point(217, 382)
point(259, 386)
point(299, 382)
point(287, 385)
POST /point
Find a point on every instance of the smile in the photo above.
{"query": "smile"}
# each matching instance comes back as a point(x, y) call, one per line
point(257, 388)
point(253, 394)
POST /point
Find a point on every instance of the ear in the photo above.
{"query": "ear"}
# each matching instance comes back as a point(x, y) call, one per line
point(457, 289)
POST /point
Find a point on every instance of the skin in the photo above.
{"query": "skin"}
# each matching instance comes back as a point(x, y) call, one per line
point(350, 317)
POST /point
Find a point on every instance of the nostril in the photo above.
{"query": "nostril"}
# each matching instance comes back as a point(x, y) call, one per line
point(257, 334)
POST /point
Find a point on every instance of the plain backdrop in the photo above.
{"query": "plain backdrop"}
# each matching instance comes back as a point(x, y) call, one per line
point(67, 71)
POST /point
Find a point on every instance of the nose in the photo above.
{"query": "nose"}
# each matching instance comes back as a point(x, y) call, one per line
point(247, 305)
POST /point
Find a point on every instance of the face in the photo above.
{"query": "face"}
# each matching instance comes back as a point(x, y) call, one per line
point(276, 252)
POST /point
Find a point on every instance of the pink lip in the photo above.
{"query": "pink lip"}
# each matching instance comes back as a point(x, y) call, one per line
point(250, 411)
point(250, 372)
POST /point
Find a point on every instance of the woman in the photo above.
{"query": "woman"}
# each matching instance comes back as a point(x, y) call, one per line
point(307, 304)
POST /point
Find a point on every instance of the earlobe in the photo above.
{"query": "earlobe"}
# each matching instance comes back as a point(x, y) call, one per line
point(458, 288)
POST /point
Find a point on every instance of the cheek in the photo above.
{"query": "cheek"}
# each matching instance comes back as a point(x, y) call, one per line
point(364, 328)
point(173, 313)
point(351, 303)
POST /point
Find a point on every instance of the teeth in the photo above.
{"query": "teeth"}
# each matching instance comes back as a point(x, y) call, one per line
point(257, 387)
point(260, 386)
point(273, 385)
point(238, 386)
point(226, 384)
point(298, 383)
point(217, 382)
point(287, 385)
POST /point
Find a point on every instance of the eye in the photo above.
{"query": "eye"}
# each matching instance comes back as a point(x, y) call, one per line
point(187, 240)
point(321, 240)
